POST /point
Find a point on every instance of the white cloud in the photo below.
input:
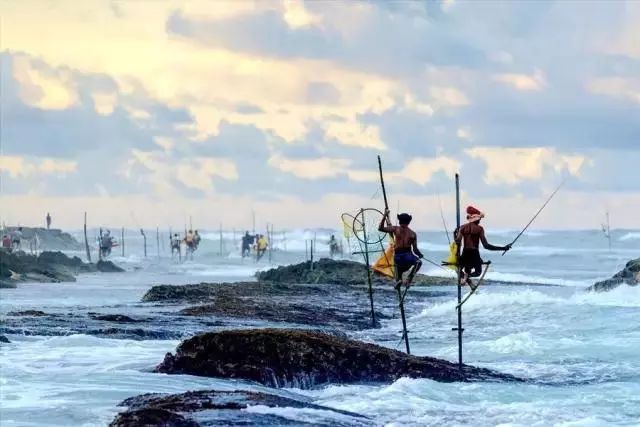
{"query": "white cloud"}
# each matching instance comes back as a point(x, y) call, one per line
point(297, 16)
point(616, 87)
point(322, 167)
point(44, 88)
point(514, 165)
point(524, 82)
point(17, 166)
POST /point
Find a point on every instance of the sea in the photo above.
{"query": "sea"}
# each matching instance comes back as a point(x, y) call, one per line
point(579, 350)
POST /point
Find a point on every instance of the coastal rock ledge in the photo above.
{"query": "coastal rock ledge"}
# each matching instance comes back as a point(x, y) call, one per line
point(629, 275)
point(307, 359)
point(228, 408)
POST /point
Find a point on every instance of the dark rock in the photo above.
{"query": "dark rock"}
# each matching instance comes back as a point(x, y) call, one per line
point(151, 417)
point(304, 359)
point(48, 267)
point(4, 339)
point(31, 313)
point(53, 239)
point(629, 275)
point(332, 272)
point(210, 291)
point(108, 267)
point(282, 310)
point(212, 407)
point(120, 318)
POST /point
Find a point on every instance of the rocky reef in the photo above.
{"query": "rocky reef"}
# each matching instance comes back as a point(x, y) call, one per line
point(629, 275)
point(336, 272)
point(229, 408)
point(307, 359)
point(48, 267)
point(50, 240)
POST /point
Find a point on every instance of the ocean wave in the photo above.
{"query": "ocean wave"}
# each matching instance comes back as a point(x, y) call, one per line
point(634, 235)
point(622, 296)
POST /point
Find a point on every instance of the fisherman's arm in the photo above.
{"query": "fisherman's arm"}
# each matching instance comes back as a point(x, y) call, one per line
point(415, 248)
point(382, 227)
point(488, 246)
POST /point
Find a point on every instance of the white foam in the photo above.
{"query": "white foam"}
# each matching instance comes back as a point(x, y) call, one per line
point(525, 278)
point(305, 415)
point(622, 296)
point(634, 235)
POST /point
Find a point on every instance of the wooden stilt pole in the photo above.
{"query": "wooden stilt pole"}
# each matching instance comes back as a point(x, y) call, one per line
point(400, 296)
point(122, 241)
point(158, 240)
point(144, 236)
point(459, 275)
point(366, 261)
point(86, 240)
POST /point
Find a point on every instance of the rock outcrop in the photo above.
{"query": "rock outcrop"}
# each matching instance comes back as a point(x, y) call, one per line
point(4, 340)
point(306, 359)
point(50, 240)
point(629, 275)
point(335, 272)
point(48, 267)
point(212, 407)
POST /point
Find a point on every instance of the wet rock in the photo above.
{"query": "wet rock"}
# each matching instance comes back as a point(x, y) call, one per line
point(151, 417)
point(629, 275)
point(4, 339)
point(30, 313)
point(108, 267)
point(212, 407)
point(48, 267)
point(53, 239)
point(336, 272)
point(119, 318)
point(282, 310)
point(305, 359)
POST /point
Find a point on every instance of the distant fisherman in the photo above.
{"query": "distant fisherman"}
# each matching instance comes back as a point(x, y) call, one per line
point(471, 234)
point(16, 239)
point(262, 245)
point(175, 245)
point(247, 241)
point(6, 243)
point(406, 253)
point(48, 221)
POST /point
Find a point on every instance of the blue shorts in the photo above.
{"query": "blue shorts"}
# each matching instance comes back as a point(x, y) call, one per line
point(405, 260)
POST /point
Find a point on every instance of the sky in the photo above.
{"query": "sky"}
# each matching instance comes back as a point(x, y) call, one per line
point(144, 113)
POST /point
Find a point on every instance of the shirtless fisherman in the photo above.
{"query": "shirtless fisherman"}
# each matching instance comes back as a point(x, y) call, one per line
point(472, 234)
point(406, 255)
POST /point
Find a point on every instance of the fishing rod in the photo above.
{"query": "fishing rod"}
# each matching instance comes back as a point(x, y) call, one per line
point(444, 223)
point(536, 215)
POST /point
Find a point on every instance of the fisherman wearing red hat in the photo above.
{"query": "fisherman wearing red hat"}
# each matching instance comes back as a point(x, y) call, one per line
point(472, 234)
point(407, 256)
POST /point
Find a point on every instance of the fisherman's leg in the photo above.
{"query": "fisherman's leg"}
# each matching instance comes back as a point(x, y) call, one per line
point(412, 272)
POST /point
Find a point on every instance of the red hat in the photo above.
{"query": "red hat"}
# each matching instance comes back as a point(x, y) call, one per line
point(472, 211)
point(474, 214)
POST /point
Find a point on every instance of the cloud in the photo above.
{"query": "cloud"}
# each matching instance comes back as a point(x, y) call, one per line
point(514, 165)
point(523, 82)
point(617, 87)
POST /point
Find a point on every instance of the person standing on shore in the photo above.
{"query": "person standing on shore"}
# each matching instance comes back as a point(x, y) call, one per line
point(48, 221)
point(16, 239)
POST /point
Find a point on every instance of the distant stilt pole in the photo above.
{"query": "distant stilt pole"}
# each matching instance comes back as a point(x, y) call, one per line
point(459, 271)
point(122, 241)
point(311, 253)
point(306, 250)
point(366, 261)
point(221, 241)
point(86, 240)
point(270, 239)
point(144, 236)
point(158, 240)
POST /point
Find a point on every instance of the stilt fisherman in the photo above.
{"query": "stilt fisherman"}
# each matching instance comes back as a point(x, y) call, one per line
point(471, 234)
point(407, 256)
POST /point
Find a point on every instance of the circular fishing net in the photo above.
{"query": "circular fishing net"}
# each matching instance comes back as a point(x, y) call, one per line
point(365, 226)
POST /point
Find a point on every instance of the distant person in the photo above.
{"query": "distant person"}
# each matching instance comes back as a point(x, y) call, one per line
point(190, 242)
point(106, 243)
point(196, 239)
point(175, 246)
point(262, 246)
point(334, 247)
point(16, 239)
point(48, 221)
point(470, 235)
point(6, 243)
point(247, 241)
point(406, 255)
